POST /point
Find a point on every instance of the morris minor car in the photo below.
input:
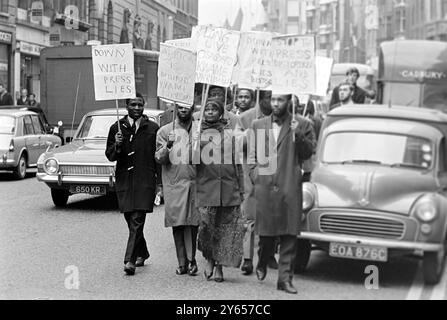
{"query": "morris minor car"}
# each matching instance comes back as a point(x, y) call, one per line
point(379, 188)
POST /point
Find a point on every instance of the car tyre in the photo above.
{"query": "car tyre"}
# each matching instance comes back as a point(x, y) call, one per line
point(303, 250)
point(60, 197)
point(433, 265)
point(20, 171)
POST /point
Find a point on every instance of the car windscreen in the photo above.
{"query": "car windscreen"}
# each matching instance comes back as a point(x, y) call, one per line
point(402, 94)
point(7, 125)
point(378, 148)
point(96, 127)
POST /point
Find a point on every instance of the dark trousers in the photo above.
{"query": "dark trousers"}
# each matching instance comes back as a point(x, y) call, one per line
point(185, 239)
point(287, 253)
point(136, 244)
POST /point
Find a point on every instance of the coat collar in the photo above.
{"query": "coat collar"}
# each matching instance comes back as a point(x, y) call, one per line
point(285, 128)
point(124, 122)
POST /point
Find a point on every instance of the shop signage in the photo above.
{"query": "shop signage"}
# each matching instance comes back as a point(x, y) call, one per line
point(29, 48)
point(5, 37)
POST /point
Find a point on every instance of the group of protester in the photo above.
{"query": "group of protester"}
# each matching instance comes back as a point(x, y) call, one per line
point(218, 207)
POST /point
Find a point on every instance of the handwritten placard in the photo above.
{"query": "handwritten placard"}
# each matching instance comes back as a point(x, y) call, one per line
point(216, 55)
point(294, 69)
point(185, 43)
point(176, 74)
point(255, 60)
point(323, 70)
point(113, 72)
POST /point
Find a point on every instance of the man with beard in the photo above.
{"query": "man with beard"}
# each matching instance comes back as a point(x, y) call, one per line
point(277, 185)
point(246, 119)
point(359, 95)
point(345, 91)
point(179, 188)
point(133, 148)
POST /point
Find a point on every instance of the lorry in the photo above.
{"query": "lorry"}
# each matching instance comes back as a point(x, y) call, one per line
point(67, 88)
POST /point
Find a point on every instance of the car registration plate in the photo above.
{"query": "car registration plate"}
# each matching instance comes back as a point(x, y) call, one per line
point(93, 190)
point(351, 251)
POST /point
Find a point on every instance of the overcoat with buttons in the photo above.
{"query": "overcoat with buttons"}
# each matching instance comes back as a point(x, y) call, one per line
point(137, 173)
point(278, 186)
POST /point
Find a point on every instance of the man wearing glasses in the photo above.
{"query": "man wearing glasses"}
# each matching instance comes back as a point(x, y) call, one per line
point(137, 175)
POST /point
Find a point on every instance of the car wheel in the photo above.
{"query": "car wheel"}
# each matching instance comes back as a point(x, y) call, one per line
point(434, 265)
point(60, 197)
point(20, 171)
point(303, 250)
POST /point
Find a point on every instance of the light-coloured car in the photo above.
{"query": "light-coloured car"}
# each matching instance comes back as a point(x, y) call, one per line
point(23, 138)
point(81, 166)
point(379, 187)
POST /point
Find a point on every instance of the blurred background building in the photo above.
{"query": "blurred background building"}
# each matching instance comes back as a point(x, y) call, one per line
point(27, 26)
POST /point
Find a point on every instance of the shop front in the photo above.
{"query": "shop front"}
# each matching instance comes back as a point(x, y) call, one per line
point(5, 58)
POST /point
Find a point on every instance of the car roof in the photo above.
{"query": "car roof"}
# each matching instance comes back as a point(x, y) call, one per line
point(122, 112)
point(15, 112)
point(393, 112)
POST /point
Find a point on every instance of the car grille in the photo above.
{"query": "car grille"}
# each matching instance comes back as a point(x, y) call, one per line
point(86, 170)
point(362, 226)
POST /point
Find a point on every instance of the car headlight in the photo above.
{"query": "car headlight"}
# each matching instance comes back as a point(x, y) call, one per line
point(51, 166)
point(308, 197)
point(426, 210)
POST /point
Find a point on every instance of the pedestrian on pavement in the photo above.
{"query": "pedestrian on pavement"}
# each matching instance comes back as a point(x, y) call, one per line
point(23, 100)
point(5, 96)
point(32, 102)
point(345, 93)
point(179, 188)
point(278, 188)
point(359, 95)
point(137, 175)
point(245, 121)
point(219, 193)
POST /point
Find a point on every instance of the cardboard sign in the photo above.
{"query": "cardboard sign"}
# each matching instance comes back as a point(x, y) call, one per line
point(176, 74)
point(255, 59)
point(294, 65)
point(185, 43)
point(324, 71)
point(216, 55)
point(113, 72)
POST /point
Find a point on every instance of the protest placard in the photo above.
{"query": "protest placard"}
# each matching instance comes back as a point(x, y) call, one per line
point(293, 65)
point(255, 59)
point(324, 70)
point(176, 74)
point(113, 72)
point(216, 55)
point(185, 43)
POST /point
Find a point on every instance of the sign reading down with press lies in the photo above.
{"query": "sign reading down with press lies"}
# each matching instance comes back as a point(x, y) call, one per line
point(113, 72)
point(176, 74)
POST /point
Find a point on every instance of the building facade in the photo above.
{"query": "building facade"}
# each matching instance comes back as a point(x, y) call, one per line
point(28, 26)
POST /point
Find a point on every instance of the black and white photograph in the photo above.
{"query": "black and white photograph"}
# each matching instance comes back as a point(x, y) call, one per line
point(223, 155)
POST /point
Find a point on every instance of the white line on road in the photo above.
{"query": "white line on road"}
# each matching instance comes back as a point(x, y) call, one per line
point(439, 291)
point(417, 287)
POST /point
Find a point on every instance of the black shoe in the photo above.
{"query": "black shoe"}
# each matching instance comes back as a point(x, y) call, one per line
point(247, 267)
point(261, 273)
point(219, 274)
point(192, 268)
point(181, 270)
point(272, 264)
point(287, 287)
point(129, 268)
point(140, 262)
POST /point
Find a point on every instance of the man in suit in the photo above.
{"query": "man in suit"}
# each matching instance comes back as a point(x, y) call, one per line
point(5, 97)
point(137, 175)
point(359, 95)
point(276, 175)
point(23, 100)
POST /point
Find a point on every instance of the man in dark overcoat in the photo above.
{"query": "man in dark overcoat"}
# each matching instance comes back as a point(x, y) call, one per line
point(137, 175)
point(276, 175)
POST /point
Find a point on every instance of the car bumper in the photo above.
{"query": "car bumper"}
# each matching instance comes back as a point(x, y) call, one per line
point(390, 244)
point(7, 164)
point(62, 180)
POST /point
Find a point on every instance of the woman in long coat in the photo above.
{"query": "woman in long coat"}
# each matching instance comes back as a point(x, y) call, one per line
point(219, 194)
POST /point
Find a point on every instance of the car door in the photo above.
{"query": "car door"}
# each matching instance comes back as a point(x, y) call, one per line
point(31, 140)
point(45, 137)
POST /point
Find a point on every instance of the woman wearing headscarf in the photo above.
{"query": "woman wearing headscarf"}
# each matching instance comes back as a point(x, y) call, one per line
point(219, 193)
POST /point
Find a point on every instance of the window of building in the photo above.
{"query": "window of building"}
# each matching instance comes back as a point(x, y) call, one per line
point(110, 23)
point(4, 6)
point(444, 9)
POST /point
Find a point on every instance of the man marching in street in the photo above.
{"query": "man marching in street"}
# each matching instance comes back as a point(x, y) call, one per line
point(278, 185)
point(136, 175)
point(179, 178)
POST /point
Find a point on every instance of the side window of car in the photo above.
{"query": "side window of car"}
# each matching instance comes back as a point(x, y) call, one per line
point(28, 125)
point(442, 157)
point(38, 128)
